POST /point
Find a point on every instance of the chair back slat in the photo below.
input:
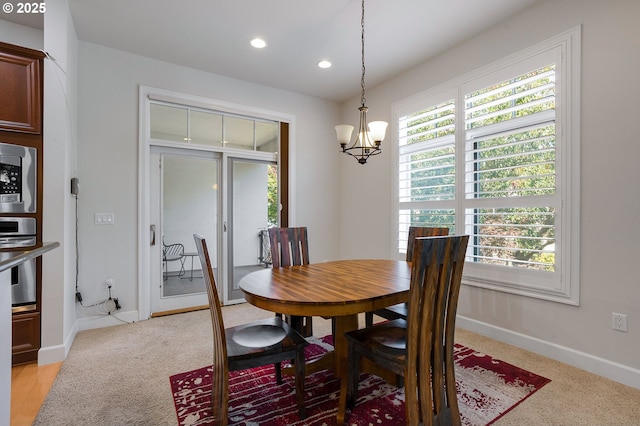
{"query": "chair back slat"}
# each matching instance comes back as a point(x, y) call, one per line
point(436, 274)
point(220, 375)
point(422, 231)
point(289, 246)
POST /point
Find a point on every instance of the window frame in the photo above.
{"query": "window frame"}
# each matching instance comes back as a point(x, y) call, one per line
point(562, 285)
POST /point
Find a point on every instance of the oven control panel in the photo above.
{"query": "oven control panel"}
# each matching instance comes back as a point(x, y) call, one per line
point(10, 179)
point(18, 178)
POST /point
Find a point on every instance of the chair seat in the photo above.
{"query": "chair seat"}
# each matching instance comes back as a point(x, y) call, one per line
point(268, 337)
point(387, 340)
point(400, 311)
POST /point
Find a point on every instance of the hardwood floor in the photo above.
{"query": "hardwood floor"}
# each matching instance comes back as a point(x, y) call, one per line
point(30, 384)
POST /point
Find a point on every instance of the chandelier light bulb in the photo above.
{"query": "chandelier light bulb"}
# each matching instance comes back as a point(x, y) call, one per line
point(343, 132)
point(377, 130)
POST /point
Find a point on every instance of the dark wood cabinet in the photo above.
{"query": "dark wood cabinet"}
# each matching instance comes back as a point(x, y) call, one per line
point(21, 123)
point(21, 89)
point(26, 337)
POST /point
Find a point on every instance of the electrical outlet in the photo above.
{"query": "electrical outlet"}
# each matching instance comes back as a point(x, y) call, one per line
point(619, 321)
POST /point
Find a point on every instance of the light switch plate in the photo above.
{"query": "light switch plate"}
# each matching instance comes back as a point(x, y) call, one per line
point(104, 218)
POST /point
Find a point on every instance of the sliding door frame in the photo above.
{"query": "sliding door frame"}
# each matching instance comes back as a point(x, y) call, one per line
point(285, 160)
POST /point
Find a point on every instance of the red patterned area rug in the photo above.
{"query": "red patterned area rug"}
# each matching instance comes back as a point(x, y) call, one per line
point(487, 389)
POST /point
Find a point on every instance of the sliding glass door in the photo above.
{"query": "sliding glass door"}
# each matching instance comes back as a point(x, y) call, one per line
point(189, 195)
point(211, 168)
point(253, 208)
point(187, 200)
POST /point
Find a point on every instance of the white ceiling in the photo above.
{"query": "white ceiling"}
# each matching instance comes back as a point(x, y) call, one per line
point(213, 35)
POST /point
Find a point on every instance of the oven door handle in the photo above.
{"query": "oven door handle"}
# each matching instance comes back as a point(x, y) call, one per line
point(10, 242)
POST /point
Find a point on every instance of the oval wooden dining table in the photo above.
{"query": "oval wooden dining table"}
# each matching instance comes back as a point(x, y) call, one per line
point(339, 289)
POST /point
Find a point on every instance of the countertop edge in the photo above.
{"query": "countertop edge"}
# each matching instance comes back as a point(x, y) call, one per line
point(21, 256)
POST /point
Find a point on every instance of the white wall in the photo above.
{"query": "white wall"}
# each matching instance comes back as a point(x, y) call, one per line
point(21, 35)
point(108, 159)
point(60, 94)
point(610, 150)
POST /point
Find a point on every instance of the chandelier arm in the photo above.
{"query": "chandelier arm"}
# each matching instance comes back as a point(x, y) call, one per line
point(362, 158)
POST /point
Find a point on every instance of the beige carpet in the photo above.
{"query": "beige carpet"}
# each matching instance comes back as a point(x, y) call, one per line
point(120, 376)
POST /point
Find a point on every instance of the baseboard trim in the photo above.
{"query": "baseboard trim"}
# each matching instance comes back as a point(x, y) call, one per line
point(100, 321)
point(57, 353)
point(611, 370)
point(179, 311)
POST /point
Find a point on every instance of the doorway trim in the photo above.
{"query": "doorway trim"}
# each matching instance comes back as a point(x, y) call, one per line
point(147, 93)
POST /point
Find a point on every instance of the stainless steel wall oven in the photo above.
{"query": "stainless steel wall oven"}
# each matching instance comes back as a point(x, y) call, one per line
point(16, 233)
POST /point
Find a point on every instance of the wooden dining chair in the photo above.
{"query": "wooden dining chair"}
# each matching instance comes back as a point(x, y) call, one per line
point(400, 310)
point(289, 247)
point(247, 346)
point(419, 348)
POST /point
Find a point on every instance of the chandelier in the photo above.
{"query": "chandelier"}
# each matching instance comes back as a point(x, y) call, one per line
point(369, 137)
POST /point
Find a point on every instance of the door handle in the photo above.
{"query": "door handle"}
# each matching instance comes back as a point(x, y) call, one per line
point(153, 235)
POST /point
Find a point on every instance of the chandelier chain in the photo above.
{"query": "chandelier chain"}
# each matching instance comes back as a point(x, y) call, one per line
point(362, 99)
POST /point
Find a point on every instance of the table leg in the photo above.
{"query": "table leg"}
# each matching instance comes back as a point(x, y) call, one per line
point(336, 360)
point(343, 325)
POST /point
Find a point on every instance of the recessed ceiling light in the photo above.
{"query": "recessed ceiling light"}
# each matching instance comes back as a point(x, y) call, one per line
point(324, 64)
point(258, 43)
